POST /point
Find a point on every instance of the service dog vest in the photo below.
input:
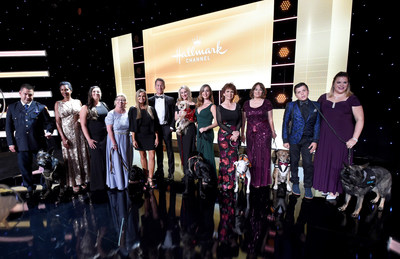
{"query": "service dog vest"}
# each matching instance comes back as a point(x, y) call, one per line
point(369, 178)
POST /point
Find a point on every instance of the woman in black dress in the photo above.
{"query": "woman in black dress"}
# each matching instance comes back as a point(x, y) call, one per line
point(186, 140)
point(94, 128)
point(144, 127)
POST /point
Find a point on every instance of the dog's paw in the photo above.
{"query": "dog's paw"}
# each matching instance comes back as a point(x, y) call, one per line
point(342, 208)
point(288, 188)
point(380, 208)
point(354, 215)
point(275, 187)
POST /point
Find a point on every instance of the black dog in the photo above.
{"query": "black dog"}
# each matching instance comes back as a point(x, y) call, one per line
point(359, 180)
point(198, 170)
point(51, 171)
point(137, 175)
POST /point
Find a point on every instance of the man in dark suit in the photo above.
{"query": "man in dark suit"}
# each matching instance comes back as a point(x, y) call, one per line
point(300, 134)
point(28, 119)
point(165, 108)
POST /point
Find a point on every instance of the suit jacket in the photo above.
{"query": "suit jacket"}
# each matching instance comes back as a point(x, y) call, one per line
point(169, 109)
point(28, 125)
point(311, 124)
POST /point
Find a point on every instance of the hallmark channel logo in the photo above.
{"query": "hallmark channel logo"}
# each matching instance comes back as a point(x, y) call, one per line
point(195, 53)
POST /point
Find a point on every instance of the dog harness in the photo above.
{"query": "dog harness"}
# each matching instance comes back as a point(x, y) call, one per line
point(369, 178)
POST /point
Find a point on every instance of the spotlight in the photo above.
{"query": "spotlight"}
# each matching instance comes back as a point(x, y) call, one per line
point(285, 5)
point(281, 98)
point(283, 52)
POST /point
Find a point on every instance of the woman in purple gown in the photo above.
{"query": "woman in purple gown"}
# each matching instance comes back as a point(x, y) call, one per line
point(340, 107)
point(260, 129)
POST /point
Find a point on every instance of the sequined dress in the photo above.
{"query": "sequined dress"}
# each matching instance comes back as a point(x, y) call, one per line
point(258, 139)
point(76, 157)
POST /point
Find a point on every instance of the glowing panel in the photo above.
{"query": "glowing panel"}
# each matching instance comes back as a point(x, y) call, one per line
point(233, 45)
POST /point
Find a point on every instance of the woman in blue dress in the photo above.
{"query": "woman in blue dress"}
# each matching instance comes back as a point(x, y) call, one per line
point(119, 149)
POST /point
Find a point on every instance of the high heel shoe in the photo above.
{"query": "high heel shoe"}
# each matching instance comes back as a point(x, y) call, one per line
point(150, 183)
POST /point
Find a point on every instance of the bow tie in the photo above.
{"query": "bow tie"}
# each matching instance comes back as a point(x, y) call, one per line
point(303, 102)
point(160, 96)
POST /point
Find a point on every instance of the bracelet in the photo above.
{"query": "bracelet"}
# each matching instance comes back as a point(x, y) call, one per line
point(355, 139)
point(115, 145)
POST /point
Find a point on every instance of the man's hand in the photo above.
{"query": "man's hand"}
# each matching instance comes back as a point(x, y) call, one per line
point(12, 148)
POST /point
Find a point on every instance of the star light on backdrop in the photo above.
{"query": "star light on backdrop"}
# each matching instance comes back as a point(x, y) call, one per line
point(77, 38)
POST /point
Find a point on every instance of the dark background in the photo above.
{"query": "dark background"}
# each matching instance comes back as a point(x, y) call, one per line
point(77, 37)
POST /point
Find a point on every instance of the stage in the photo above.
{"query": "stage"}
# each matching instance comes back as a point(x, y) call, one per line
point(164, 223)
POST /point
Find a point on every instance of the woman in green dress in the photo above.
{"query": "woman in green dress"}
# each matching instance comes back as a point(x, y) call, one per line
point(206, 121)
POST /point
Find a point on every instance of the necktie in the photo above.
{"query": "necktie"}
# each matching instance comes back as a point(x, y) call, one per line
point(160, 96)
point(26, 107)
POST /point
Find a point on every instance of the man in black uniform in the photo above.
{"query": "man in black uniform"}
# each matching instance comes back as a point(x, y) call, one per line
point(28, 119)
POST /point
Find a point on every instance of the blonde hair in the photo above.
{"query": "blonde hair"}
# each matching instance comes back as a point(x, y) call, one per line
point(341, 74)
point(147, 106)
point(200, 99)
point(190, 99)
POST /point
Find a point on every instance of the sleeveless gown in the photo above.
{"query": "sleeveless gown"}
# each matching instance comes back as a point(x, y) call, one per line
point(76, 157)
point(98, 131)
point(205, 140)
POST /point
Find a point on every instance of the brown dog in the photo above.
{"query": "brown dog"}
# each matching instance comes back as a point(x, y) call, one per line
point(282, 169)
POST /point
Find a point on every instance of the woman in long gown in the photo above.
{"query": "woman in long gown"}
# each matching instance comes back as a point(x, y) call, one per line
point(74, 148)
point(119, 149)
point(229, 118)
point(187, 140)
point(144, 127)
point(340, 107)
point(92, 118)
point(260, 130)
point(206, 121)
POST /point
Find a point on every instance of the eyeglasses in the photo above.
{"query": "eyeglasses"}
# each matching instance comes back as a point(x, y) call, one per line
point(121, 101)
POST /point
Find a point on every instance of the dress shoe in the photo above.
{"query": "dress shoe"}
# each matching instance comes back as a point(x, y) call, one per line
point(170, 176)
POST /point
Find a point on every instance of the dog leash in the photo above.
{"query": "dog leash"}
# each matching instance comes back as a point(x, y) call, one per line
point(334, 131)
point(121, 160)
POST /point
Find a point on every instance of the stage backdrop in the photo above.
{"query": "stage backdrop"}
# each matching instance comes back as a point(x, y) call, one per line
point(233, 45)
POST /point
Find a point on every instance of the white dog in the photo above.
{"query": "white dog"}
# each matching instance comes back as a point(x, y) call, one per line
point(242, 171)
point(182, 122)
point(282, 169)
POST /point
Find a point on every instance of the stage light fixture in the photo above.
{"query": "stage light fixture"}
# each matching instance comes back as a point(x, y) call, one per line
point(283, 52)
point(285, 5)
point(281, 98)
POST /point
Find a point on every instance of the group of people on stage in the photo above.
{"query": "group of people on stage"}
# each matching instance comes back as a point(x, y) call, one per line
point(97, 142)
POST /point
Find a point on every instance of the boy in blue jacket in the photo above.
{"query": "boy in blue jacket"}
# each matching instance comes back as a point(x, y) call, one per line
point(300, 134)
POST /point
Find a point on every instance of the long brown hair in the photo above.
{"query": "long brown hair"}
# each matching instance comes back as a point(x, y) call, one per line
point(90, 102)
point(147, 106)
point(200, 99)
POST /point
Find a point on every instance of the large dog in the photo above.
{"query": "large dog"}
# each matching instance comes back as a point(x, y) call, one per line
point(51, 170)
point(199, 170)
point(282, 169)
point(359, 180)
point(242, 172)
point(183, 121)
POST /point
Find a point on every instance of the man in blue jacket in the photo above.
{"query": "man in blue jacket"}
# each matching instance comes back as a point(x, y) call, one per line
point(29, 119)
point(300, 134)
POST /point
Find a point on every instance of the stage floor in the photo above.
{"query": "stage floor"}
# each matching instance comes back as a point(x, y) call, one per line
point(164, 223)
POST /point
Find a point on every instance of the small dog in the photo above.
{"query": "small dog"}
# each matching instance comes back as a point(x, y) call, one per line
point(182, 122)
point(242, 172)
point(200, 170)
point(282, 169)
point(137, 175)
point(359, 180)
point(51, 170)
